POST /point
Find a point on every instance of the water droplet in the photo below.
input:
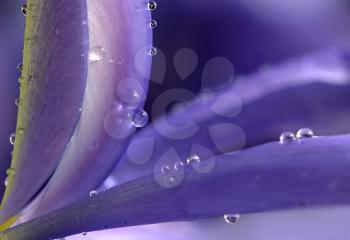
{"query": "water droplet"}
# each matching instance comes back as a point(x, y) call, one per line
point(6, 181)
point(12, 138)
point(92, 193)
point(153, 24)
point(153, 51)
point(305, 133)
point(140, 118)
point(17, 101)
point(20, 67)
point(97, 54)
point(24, 9)
point(193, 159)
point(166, 170)
point(287, 137)
point(84, 233)
point(232, 218)
point(179, 165)
point(152, 5)
point(118, 123)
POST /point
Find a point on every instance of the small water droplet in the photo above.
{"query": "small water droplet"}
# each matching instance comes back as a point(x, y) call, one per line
point(12, 138)
point(6, 181)
point(305, 133)
point(93, 193)
point(97, 54)
point(153, 24)
point(153, 51)
point(140, 118)
point(232, 218)
point(193, 159)
point(152, 5)
point(20, 67)
point(17, 102)
point(24, 9)
point(179, 165)
point(287, 137)
point(84, 233)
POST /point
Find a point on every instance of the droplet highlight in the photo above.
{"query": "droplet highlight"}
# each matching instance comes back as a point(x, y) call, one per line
point(24, 9)
point(92, 193)
point(12, 138)
point(97, 54)
point(193, 159)
point(140, 118)
point(286, 137)
point(152, 5)
point(305, 133)
point(232, 218)
point(153, 24)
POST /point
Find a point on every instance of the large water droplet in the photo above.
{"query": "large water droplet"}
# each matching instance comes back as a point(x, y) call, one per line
point(12, 138)
point(24, 9)
point(193, 160)
point(92, 193)
point(232, 218)
point(152, 5)
point(140, 118)
point(153, 24)
point(305, 133)
point(97, 54)
point(118, 123)
point(287, 137)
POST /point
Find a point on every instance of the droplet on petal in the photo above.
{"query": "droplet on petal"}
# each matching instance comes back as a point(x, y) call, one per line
point(118, 123)
point(20, 67)
point(152, 5)
point(231, 218)
point(193, 159)
point(140, 118)
point(24, 9)
point(287, 137)
point(153, 51)
point(92, 193)
point(305, 133)
point(97, 54)
point(153, 24)
point(12, 138)
point(17, 101)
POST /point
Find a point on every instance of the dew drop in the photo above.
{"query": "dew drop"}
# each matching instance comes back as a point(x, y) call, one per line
point(6, 181)
point(12, 138)
point(305, 133)
point(24, 9)
point(232, 218)
point(179, 165)
point(193, 159)
point(92, 193)
point(17, 101)
point(140, 118)
point(97, 54)
point(153, 51)
point(152, 5)
point(153, 24)
point(20, 67)
point(287, 137)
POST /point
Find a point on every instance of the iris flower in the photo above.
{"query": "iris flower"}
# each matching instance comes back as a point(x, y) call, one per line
point(175, 119)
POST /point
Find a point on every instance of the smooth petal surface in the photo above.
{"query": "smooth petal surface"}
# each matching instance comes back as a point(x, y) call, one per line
point(304, 173)
point(120, 40)
point(52, 89)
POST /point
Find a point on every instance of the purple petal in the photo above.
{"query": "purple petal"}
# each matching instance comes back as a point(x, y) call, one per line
point(52, 90)
point(309, 92)
point(304, 173)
